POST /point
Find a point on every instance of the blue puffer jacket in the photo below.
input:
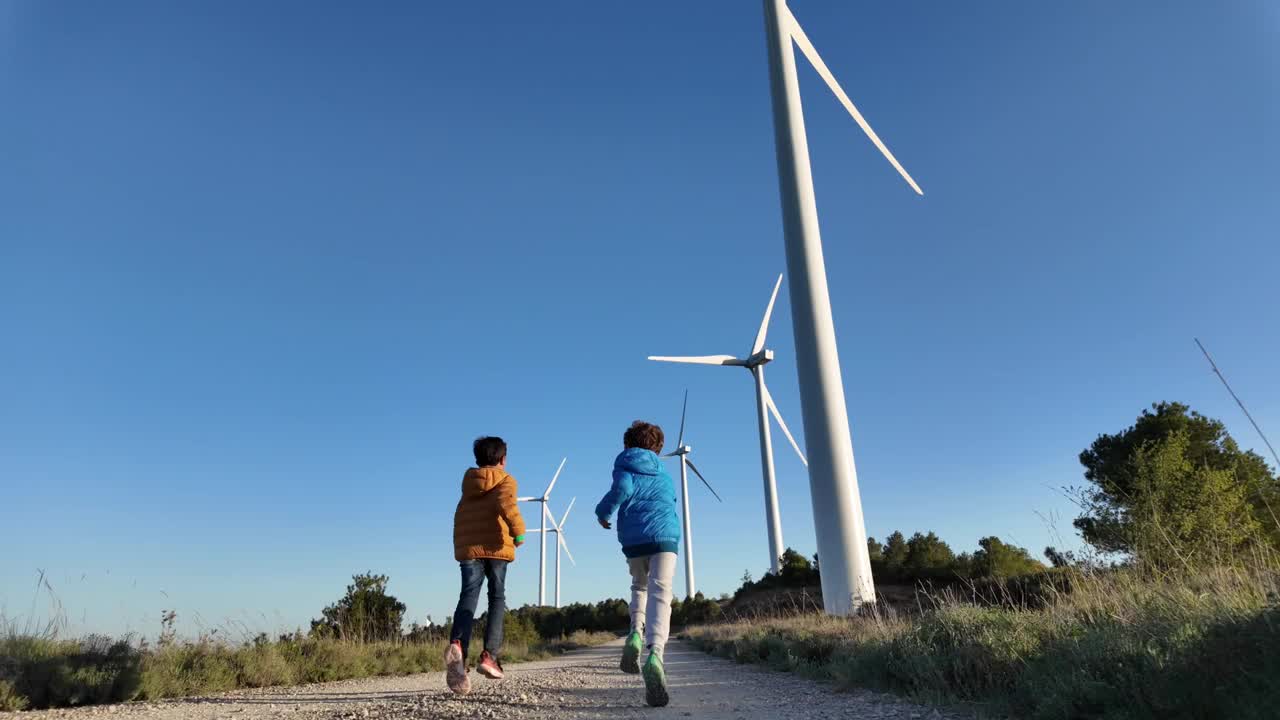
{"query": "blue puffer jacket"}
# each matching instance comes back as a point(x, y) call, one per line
point(644, 497)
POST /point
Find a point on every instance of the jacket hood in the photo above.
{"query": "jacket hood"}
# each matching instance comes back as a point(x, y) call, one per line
point(479, 481)
point(638, 460)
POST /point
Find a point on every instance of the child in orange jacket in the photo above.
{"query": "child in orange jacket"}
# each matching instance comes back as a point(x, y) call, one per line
point(487, 529)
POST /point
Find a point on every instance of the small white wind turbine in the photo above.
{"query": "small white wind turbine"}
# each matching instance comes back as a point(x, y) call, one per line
point(682, 451)
point(755, 362)
point(561, 543)
point(542, 531)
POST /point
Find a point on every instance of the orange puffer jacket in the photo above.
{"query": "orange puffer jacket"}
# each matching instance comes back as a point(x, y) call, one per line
point(487, 520)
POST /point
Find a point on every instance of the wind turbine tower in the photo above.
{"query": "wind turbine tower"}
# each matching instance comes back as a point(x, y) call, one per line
point(682, 451)
point(755, 362)
point(833, 480)
point(542, 532)
point(561, 543)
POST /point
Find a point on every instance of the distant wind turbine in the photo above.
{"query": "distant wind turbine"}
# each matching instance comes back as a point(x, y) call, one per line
point(561, 544)
point(682, 451)
point(755, 362)
point(542, 540)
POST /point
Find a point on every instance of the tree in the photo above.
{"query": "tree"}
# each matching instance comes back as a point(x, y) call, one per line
point(875, 551)
point(1173, 483)
point(365, 614)
point(694, 611)
point(996, 559)
point(614, 615)
point(895, 551)
point(1184, 513)
point(1058, 559)
point(797, 571)
point(928, 553)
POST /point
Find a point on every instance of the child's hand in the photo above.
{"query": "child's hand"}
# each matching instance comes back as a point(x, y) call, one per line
point(605, 524)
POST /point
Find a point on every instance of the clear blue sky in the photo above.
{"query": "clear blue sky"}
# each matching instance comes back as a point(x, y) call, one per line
point(267, 268)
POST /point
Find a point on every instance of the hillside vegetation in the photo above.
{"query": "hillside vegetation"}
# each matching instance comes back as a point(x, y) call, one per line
point(1176, 613)
point(359, 636)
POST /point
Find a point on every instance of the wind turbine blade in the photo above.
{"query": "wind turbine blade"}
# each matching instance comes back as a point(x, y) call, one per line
point(565, 545)
point(531, 531)
point(694, 468)
point(554, 478)
point(683, 411)
point(699, 360)
point(764, 324)
point(773, 408)
point(802, 41)
point(566, 513)
point(529, 499)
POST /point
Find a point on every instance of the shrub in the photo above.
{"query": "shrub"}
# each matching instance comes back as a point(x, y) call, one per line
point(358, 637)
point(10, 699)
point(366, 613)
point(1121, 644)
point(45, 672)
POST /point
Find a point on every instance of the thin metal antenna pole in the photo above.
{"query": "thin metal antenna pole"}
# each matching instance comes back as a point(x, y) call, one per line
point(1235, 397)
point(1265, 500)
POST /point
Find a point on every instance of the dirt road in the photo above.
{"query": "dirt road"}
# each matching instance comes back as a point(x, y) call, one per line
point(580, 685)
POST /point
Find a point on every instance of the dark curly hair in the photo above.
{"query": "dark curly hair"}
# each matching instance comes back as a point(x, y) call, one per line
point(643, 435)
point(489, 451)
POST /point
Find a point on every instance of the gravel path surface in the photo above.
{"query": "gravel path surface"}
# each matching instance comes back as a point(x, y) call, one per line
point(576, 686)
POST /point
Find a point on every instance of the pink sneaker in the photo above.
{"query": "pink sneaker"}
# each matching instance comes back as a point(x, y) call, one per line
point(489, 667)
point(455, 669)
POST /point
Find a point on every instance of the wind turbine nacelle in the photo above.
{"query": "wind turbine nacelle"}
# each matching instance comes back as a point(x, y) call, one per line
point(760, 358)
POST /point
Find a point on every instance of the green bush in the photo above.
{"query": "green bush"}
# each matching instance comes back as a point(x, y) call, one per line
point(695, 610)
point(264, 666)
point(46, 672)
point(1120, 645)
point(972, 652)
point(43, 673)
point(358, 636)
point(179, 669)
point(10, 699)
point(366, 613)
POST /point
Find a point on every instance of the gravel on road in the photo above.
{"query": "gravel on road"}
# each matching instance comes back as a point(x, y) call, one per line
point(576, 686)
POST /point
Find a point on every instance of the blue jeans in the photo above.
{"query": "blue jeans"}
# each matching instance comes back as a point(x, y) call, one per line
point(474, 572)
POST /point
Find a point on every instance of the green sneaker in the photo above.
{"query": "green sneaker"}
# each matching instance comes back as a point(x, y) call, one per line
point(655, 682)
point(631, 654)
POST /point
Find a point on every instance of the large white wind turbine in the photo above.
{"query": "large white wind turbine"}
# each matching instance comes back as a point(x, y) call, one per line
point(833, 480)
point(561, 543)
point(755, 362)
point(542, 531)
point(682, 451)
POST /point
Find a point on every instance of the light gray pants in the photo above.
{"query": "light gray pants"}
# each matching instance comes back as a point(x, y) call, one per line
point(651, 598)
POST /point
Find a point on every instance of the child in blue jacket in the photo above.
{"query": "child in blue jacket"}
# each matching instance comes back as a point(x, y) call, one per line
point(644, 498)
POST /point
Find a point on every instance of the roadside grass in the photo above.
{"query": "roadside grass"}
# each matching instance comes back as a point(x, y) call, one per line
point(1117, 645)
point(43, 671)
